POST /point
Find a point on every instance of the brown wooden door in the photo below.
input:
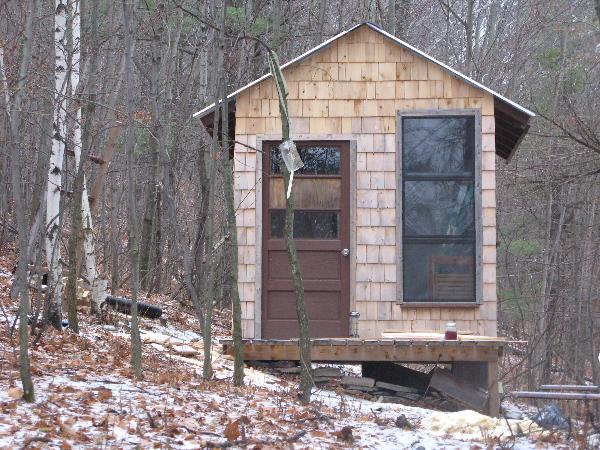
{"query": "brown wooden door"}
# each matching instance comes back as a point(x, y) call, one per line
point(322, 231)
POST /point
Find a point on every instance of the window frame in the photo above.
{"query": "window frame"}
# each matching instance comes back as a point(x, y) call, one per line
point(400, 115)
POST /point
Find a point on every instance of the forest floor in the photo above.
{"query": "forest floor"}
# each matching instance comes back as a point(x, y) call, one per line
point(86, 397)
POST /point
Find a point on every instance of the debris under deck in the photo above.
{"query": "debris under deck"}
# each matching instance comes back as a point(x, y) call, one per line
point(401, 348)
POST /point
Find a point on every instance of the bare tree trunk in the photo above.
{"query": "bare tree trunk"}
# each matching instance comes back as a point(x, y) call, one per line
point(97, 287)
point(55, 170)
point(14, 119)
point(391, 11)
point(320, 22)
point(81, 218)
point(194, 257)
point(114, 245)
point(151, 190)
point(208, 265)
point(583, 294)
point(134, 250)
point(73, 22)
point(107, 153)
point(542, 353)
point(469, 36)
point(71, 285)
point(111, 142)
point(236, 307)
point(539, 347)
point(542, 346)
point(150, 197)
point(164, 111)
point(306, 381)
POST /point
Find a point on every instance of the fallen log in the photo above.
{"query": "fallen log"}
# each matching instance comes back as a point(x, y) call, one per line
point(122, 304)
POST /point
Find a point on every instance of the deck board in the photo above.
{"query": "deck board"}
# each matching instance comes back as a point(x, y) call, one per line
point(384, 349)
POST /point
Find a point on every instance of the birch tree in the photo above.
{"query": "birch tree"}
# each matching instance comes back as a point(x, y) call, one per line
point(55, 169)
point(74, 20)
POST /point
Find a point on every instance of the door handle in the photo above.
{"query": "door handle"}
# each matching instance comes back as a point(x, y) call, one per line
point(345, 252)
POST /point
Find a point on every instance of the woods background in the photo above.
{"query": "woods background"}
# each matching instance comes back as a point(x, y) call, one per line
point(139, 87)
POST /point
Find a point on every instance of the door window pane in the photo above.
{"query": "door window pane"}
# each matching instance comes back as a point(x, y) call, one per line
point(307, 224)
point(439, 272)
point(309, 193)
point(438, 208)
point(442, 145)
point(319, 160)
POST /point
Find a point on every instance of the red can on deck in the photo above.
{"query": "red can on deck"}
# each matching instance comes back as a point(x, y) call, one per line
point(451, 332)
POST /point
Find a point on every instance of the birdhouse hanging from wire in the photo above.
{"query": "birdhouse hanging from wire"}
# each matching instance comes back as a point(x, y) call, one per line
point(291, 159)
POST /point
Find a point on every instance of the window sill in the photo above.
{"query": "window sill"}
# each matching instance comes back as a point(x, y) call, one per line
point(438, 304)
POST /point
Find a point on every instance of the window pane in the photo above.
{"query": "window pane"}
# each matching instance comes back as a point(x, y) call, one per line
point(307, 224)
point(438, 145)
point(309, 193)
point(317, 160)
point(438, 208)
point(439, 272)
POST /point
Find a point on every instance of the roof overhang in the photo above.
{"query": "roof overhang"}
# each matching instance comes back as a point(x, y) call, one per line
point(512, 119)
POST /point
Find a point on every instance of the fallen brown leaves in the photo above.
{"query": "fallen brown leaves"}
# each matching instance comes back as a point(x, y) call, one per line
point(87, 396)
point(345, 434)
point(15, 393)
point(232, 431)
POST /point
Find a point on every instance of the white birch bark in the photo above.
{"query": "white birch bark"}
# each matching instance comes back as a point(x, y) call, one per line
point(97, 292)
point(55, 168)
point(4, 83)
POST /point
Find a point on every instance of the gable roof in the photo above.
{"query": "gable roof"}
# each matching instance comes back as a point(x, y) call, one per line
point(512, 119)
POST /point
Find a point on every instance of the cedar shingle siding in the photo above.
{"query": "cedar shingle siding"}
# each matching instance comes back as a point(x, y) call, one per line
point(351, 90)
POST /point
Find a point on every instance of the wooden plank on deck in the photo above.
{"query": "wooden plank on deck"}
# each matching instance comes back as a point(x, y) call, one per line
point(357, 350)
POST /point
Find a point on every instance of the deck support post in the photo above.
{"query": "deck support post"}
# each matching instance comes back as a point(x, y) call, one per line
point(494, 397)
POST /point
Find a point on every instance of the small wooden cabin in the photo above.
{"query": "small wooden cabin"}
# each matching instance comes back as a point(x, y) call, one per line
point(395, 206)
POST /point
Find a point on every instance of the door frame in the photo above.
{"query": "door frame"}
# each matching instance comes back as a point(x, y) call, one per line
point(351, 139)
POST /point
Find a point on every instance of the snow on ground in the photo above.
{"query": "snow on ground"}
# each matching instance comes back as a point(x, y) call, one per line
point(86, 397)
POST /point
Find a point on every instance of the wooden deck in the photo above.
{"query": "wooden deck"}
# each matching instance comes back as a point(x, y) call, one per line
point(386, 349)
point(407, 349)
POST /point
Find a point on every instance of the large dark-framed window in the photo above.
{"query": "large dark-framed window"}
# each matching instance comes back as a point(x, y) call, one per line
point(439, 207)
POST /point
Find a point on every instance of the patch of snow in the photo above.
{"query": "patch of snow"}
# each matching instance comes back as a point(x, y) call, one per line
point(5, 274)
point(184, 336)
point(83, 405)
